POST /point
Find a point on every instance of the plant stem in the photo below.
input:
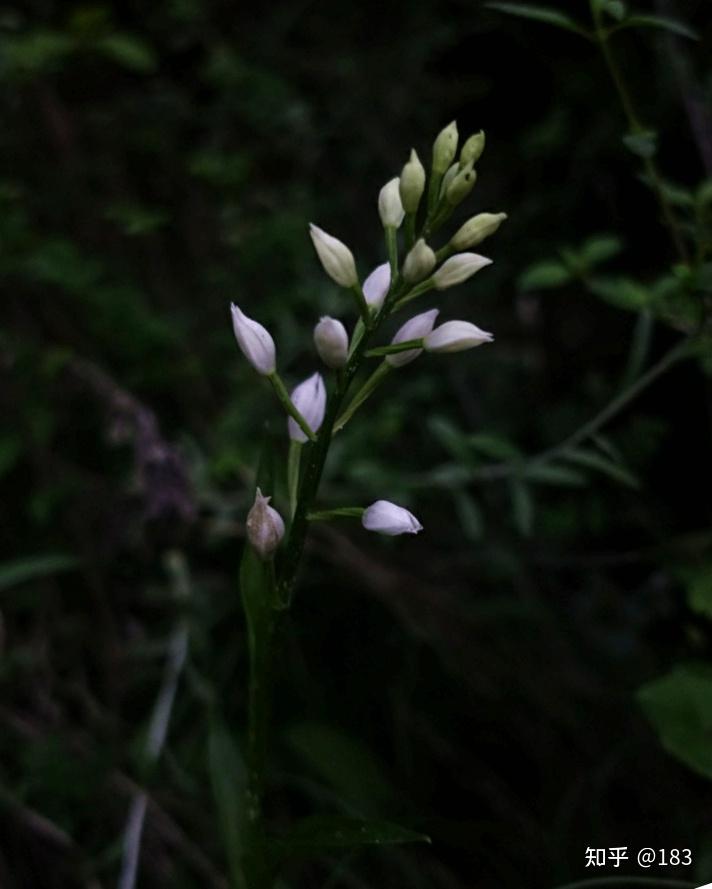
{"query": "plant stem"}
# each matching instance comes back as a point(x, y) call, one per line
point(282, 394)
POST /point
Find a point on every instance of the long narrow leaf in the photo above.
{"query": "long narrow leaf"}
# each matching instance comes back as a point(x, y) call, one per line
point(541, 14)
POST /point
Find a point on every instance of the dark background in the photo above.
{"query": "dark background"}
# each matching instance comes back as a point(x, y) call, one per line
point(477, 682)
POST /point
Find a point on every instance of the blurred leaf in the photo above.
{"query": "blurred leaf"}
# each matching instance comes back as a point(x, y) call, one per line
point(699, 588)
point(544, 14)
point(469, 514)
point(624, 293)
point(551, 474)
point(679, 705)
point(544, 276)
point(23, 570)
point(136, 220)
point(228, 779)
point(614, 8)
point(658, 21)
point(128, 51)
point(450, 437)
point(34, 53)
point(322, 833)
point(643, 144)
point(522, 506)
point(494, 446)
point(599, 248)
point(592, 460)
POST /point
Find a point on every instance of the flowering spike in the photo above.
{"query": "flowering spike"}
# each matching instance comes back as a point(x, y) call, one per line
point(332, 342)
point(309, 398)
point(390, 207)
point(412, 183)
point(335, 256)
point(413, 329)
point(265, 528)
point(419, 262)
point(254, 341)
point(385, 517)
point(458, 269)
point(445, 148)
point(376, 286)
point(455, 336)
point(476, 229)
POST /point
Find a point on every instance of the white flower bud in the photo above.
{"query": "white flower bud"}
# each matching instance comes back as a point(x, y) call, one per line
point(412, 183)
point(255, 342)
point(390, 207)
point(387, 518)
point(461, 185)
point(476, 229)
point(413, 329)
point(452, 171)
point(309, 398)
point(332, 342)
point(265, 528)
point(458, 269)
point(376, 286)
point(472, 149)
point(335, 256)
point(419, 262)
point(456, 336)
point(445, 148)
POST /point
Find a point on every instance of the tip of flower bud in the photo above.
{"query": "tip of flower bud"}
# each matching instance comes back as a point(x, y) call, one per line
point(265, 526)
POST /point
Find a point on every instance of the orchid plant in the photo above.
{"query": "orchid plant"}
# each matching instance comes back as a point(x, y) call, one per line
point(412, 208)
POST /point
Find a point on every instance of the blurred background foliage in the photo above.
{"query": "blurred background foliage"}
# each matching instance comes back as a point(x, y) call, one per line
point(481, 682)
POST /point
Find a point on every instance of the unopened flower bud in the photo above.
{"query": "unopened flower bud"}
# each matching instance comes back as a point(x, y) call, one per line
point(472, 149)
point(265, 528)
point(461, 185)
point(414, 329)
point(419, 262)
point(335, 256)
point(376, 286)
point(476, 229)
point(390, 207)
point(445, 148)
point(254, 341)
point(309, 398)
point(412, 183)
point(332, 342)
point(385, 517)
point(452, 171)
point(456, 336)
point(458, 269)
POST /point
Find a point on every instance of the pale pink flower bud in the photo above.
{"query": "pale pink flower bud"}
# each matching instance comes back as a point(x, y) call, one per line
point(255, 342)
point(265, 528)
point(414, 329)
point(376, 286)
point(332, 342)
point(309, 398)
point(387, 518)
point(335, 256)
point(458, 269)
point(390, 208)
point(456, 336)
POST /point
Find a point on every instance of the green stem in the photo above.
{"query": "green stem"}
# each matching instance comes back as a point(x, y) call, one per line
point(392, 249)
point(418, 290)
point(363, 307)
point(365, 392)
point(293, 461)
point(409, 228)
point(341, 512)
point(394, 348)
point(282, 394)
point(434, 190)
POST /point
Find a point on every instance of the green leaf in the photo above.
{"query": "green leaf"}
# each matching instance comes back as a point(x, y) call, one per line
point(469, 514)
point(24, 570)
point(321, 833)
point(550, 474)
point(658, 21)
point(450, 437)
point(599, 248)
point(592, 460)
point(643, 144)
point(494, 446)
point(679, 705)
point(128, 51)
point(614, 8)
point(625, 293)
point(522, 506)
point(544, 276)
point(541, 14)
point(228, 779)
point(699, 589)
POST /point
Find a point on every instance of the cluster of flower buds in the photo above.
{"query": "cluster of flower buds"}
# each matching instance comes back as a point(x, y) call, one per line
point(420, 204)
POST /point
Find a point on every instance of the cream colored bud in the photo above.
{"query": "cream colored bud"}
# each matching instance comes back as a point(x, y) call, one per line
point(309, 398)
point(452, 171)
point(419, 262)
point(254, 341)
point(414, 329)
point(390, 208)
point(265, 528)
point(332, 342)
point(461, 185)
point(458, 269)
point(335, 256)
point(412, 183)
point(455, 336)
point(445, 148)
point(472, 149)
point(476, 229)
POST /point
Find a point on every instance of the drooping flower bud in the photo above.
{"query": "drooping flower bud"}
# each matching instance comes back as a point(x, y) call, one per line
point(332, 342)
point(309, 398)
point(385, 517)
point(472, 149)
point(390, 207)
point(419, 262)
point(412, 183)
point(265, 528)
point(376, 286)
point(414, 329)
point(458, 269)
point(335, 256)
point(445, 148)
point(254, 341)
point(476, 229)
point(461, 185)
point(456, 336)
